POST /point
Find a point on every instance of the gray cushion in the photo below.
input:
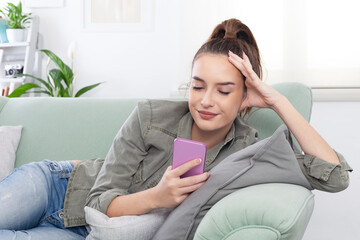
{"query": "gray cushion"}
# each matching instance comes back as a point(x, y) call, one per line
point(271, 160)
point(9, 141)
point(132, 227)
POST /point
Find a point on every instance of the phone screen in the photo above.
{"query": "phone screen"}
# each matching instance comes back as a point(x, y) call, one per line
point(186, 150)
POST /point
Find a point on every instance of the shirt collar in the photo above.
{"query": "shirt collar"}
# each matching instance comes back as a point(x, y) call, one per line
point(185, 126)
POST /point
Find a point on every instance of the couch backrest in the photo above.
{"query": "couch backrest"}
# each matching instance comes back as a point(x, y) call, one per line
point(64, 128)
point(84, 128)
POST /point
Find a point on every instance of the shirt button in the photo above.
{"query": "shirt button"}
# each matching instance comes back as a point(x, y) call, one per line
point(61, 215)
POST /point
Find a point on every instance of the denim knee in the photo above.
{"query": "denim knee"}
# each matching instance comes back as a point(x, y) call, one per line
point(33, 192)
point(24, 197)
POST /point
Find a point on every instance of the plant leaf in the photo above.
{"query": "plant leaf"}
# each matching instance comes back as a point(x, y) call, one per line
point(23, 89)
point(43, 91)
point(47, 85)
point(65, 69)
point(56, 75)
point(15, 16)
point(85, 89)
point(58, 79)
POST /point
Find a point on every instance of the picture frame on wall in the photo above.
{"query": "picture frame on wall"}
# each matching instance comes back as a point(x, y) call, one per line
point(118, 15)
point(43, 3)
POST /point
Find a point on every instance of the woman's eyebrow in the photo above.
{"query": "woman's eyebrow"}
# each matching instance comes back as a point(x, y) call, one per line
point(225, 83)
point(198, 79)
point(221, 83)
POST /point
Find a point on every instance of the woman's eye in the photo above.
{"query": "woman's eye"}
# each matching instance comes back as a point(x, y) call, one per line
point(224, 93)
point(197, 88)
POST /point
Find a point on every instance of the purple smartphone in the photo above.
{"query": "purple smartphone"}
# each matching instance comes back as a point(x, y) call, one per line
point(186, 150)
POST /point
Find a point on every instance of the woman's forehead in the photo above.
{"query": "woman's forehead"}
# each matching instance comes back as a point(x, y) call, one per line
point(215, 67)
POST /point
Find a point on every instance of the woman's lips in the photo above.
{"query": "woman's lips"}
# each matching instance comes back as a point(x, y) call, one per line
point(207, 115)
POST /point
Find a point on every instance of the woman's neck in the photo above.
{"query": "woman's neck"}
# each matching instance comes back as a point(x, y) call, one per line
point(210, 138)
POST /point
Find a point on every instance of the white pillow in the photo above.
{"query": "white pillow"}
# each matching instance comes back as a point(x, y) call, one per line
point(136, 227)
point(9, 141)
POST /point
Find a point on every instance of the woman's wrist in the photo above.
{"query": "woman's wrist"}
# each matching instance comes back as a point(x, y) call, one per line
point(153, 200)
point(279, 103)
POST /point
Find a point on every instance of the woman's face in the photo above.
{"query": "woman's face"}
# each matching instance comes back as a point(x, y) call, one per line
point(216, 93)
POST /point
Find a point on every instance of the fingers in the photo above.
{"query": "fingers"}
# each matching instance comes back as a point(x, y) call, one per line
point(244, 65)
point(249, 68)
point(192, 188)
point(193, 180)
point(177, 172)
point(238, 63)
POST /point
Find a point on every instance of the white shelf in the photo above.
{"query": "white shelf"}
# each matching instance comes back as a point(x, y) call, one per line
point(12, 80)
point(24, 53)
point(17, 44)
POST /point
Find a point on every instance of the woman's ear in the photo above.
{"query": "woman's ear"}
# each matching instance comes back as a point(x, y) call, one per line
point(244, 92)
point(240, 110)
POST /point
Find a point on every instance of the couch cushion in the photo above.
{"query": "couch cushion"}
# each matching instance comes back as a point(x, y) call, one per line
point(9, 141)
point(126, 227)
point(264, 211)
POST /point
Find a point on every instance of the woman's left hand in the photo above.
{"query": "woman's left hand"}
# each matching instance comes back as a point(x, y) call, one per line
point(258, 93)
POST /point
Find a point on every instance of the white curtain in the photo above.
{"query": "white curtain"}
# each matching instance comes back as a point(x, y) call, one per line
point(316, 42)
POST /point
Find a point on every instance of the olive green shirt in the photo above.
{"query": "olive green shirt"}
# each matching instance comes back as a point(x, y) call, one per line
point(142, 150)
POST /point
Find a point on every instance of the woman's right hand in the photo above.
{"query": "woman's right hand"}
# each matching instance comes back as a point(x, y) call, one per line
point(173, 190)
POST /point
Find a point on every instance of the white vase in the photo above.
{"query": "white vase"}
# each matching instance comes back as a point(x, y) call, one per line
point(15, 35)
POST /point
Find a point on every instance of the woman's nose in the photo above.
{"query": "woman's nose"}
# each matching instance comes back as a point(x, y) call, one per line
point(207, 100)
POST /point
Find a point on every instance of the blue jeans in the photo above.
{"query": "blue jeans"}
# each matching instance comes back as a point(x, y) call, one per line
point(32, 202)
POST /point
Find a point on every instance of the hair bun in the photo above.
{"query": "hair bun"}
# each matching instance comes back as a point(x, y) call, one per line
point(230, 35)
point(235, 36)
point(233, 29)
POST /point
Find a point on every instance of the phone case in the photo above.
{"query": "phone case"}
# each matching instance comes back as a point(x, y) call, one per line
point(186, 150)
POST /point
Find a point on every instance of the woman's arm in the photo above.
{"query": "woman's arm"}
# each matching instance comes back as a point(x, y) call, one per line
point(120, 165)
point(261, 95)
point(110, 195)
point(310, 140)
point(168, 193)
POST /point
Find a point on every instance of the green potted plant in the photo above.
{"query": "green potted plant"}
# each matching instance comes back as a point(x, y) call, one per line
point(59, 83)
point(16, 21)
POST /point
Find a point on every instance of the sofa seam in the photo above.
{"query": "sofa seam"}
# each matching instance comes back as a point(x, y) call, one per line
point(227, 222)
point(311, 196)
point(311, 102)
point(5, 102)
point(202, 236)
point(278, 234)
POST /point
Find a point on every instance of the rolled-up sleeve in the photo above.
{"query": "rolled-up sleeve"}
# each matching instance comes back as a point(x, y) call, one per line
point(120, 165)
point(324, 175)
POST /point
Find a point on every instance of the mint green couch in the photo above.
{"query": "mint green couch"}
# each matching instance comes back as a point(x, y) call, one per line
point(83, 128)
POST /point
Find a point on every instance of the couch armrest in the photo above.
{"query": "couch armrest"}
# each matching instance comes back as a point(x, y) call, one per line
point(265, 211)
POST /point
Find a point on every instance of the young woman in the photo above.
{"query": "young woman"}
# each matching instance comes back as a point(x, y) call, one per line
point(48, 198)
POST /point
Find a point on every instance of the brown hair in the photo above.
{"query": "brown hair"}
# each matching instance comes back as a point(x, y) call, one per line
point(235, 36)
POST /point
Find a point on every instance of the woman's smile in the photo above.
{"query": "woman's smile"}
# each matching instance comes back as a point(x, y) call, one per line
point(207, 115)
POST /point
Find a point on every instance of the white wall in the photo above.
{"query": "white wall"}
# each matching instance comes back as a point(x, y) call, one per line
point(152, 64)
point(337, 215)
point(133, 64)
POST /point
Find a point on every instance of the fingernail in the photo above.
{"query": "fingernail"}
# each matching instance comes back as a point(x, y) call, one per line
point(198, 160)
point(231, 52)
